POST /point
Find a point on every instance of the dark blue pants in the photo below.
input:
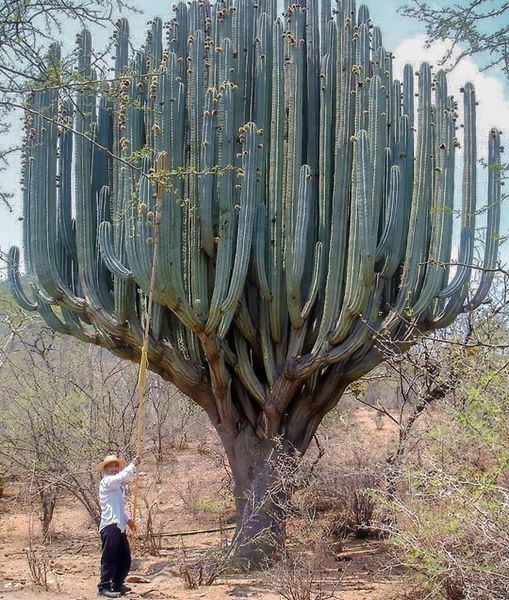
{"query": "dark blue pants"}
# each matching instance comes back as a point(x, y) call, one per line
point(115, 558)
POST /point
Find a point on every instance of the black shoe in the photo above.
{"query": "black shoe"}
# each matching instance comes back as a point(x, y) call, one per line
point(122, 589)
point(109, 593)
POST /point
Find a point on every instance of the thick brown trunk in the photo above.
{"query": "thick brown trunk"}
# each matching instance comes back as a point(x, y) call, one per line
point(48, 499)
point(263, 467)
point(262, 490)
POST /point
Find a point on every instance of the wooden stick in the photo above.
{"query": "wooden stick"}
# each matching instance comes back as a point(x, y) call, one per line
point(187, 533)
point(142, 372)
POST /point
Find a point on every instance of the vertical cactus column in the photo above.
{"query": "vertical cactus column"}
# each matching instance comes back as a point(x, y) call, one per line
point(307, 208)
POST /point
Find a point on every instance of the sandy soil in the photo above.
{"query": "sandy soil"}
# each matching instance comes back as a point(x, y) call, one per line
point(187, 499)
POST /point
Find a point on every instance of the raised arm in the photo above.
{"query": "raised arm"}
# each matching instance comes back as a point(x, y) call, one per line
point(112, 482)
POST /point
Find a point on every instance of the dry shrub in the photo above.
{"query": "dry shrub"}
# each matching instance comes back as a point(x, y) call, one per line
point(202, 568)
point(300, 579)
point(379, 418)
point(40, 570)
point(190, 497)
point(457, 545)
point(356, 505)
point(193, 570)
point(311, 536)
point(300, 572)
point(155, 524)
point(452, 525)
point(347, 492)
point(38, 567)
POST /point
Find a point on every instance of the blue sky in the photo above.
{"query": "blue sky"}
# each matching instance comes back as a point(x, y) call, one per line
point(405, 37)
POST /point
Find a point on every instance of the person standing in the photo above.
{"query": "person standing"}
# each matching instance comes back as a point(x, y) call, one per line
point(116, 553)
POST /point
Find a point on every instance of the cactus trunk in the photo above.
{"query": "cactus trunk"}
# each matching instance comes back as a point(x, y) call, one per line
point(257, 465)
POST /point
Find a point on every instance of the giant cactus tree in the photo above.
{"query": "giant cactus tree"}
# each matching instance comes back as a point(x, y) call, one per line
point(303, 203)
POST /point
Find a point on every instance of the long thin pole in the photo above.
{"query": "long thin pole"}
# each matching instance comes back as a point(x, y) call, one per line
point(142, 372)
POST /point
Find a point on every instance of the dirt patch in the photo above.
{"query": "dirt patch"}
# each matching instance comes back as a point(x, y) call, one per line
point(189, 497)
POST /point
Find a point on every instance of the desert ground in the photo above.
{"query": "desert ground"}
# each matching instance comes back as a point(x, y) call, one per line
point(187, 493)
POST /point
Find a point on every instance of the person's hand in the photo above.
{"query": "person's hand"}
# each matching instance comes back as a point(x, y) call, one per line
point(132, 525)
point(136, 460)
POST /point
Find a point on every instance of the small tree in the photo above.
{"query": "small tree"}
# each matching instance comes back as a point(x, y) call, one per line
point(26, 27)
point(65, 406)
point(55, 427)
point(451, 517)
point(473, 27)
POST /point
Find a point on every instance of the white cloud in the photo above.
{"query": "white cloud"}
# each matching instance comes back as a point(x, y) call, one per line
point(493, 109)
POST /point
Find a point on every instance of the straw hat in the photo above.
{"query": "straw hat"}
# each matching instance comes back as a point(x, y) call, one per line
point(111, 458)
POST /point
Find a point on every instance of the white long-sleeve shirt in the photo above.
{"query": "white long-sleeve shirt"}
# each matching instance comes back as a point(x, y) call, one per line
point(112, 498)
